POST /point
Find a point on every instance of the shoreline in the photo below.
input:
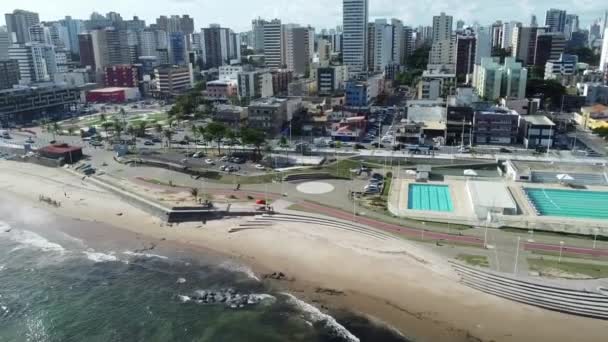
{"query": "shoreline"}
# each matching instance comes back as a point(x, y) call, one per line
point(336, 270)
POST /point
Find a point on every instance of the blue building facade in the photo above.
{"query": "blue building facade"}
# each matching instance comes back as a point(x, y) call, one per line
point(177, 48)
point(356, 94)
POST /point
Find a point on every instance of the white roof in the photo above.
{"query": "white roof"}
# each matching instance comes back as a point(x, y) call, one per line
point(490, 195)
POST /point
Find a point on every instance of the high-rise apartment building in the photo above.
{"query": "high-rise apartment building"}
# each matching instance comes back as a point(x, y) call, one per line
point(354, 39)
point(555, 20)
point(36, 62)
point(19, 23)
point(257, 30)
point(299, 49)
point(493, 80)
point(74, 28)
point(524, 43)
point(483, 43)
point(398, 48)
point(40, 34)
point(178, 52)
point(218, 46)
point(572, 25)
point(175, 23)
point(604, 55)
point(273, 44)
point(381, 51)
point(5, 43)
point(408, 43)
point(465, 55)
point(549, 46)
point(442, 27)
point(87, 51)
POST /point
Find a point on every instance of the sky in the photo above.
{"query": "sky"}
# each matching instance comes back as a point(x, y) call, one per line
point(237, 14)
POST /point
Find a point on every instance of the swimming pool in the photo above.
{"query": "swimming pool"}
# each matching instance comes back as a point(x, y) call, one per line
point(429, 197)
point(569, 203)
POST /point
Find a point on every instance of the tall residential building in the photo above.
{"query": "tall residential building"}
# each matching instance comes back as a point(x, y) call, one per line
point(74, 27)
point(355, 15)
point(299, 49)
point(524, 43)
point(442, 27)
point(40, 34)
point(19, 23)
point(483, 44)
point(255, 84)
point(508, 32)
point(178, 51)
point(549, 46)
point(555, 20)
point(5, 43)
point(273, 44)
point(87, 51)
point(175, 23)
point(380, 45)
point(465, 55)
point(496, 33)
point(218, 46)
point(533, 21)
point(323, 51)
point(408, 43)
point(257, 30)
point(604, 55)
point(572, 25)
point(147, 43)
point(398, 42)
point(442, 56)
point(493, 80)
point(36, 61)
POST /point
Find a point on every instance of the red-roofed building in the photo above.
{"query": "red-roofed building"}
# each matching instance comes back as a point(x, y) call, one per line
point(69, 154)
point(349, 129)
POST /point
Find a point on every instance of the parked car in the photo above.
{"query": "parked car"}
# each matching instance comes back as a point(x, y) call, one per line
point(359, 147)
point(260, 167)
point(198, 155)
point(505, 150)
point(371, 187)
point(377, 145)
point(377, 176)
point(209, 162)
point(224, 159)
point(94, 143)
point(148, 143)
point(156, 140)
point(464, 149)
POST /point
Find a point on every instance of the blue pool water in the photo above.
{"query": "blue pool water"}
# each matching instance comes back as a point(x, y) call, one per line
point(429, 197)
point(569, 203)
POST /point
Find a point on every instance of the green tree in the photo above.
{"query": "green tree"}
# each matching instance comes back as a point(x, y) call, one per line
point(550, 91)
point(194, 192)
point(158, 128)
point(585, 55)
point(118, 128)
point(70, 130)
point(255, 137)
point(141, 128)
point(216, 131)
point(132, 131)
point(102, 118)
point(106, 125)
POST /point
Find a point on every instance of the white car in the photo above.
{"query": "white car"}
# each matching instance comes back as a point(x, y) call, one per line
point(260, 167)
point(198, 155)
point(209, 162)
point(224, 158)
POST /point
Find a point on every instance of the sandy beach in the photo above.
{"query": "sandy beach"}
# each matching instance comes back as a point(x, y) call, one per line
point(398, 282)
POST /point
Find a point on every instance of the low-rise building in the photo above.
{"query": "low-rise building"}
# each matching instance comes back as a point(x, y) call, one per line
point(331, 79)
point(23, 105)
point(363, 93)
point(409, 132)
point(565, 66)
point(255, 84)
point(537, 131)
point(435, 84)
point(173, 80)
point(594, 93)
point(349, 129)
point(122, 75)
point(221, 89)
point(593, 117)
point(496, 126)
point(280, 81)
point(9, 73)
point(302, 87)
point(113, 95)
point(431, 116)
point(459, 125)
point(268, 114)
point(234, 117)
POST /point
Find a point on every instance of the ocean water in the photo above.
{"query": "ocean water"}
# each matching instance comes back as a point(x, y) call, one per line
point(57, 287)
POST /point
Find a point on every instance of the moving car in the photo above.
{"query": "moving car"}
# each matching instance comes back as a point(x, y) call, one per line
point(148, 143)
point(260, 167)
point(209, 162)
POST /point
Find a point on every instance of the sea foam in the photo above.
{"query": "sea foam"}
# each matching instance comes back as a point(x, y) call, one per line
point(31, 239)
point(146, 255)
point(235, 267)
point(100, 257)
point(315, 315)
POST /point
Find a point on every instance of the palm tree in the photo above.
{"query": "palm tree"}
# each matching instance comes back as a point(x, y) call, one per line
point(102, 118)
point(202, 131)
point(194, 193)
point(217, 132)
point(168, 134)
point(158, 128)
point(118, 128)
point(70, 130)
point(132, 132)
point(141, 128)
point(56, 129)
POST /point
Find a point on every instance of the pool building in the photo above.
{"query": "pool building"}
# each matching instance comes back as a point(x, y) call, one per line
point(429, 197)
point(569, 203)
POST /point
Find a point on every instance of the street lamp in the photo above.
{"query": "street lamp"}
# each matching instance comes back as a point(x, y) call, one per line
point(595, 231)
point(561, 248)
point(517, 255)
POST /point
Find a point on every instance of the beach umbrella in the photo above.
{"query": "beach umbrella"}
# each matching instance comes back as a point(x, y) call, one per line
point(564, 177)
point(470, 173)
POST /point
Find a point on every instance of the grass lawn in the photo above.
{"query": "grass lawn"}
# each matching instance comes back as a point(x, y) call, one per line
point(542, 265)
point(342, 168)
point(474, 260)
point(570, 255)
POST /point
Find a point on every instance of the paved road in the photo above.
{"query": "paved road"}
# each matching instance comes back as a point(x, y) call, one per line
point(565, 249)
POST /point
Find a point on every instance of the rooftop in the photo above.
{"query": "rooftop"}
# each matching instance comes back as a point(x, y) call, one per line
point(490, 194)
point(268, 102)
point(539, 120)
point(557, 167)
point(498, 110)
point(109, 89)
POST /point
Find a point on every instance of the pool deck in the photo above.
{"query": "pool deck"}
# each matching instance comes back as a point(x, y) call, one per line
point(463, 212)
